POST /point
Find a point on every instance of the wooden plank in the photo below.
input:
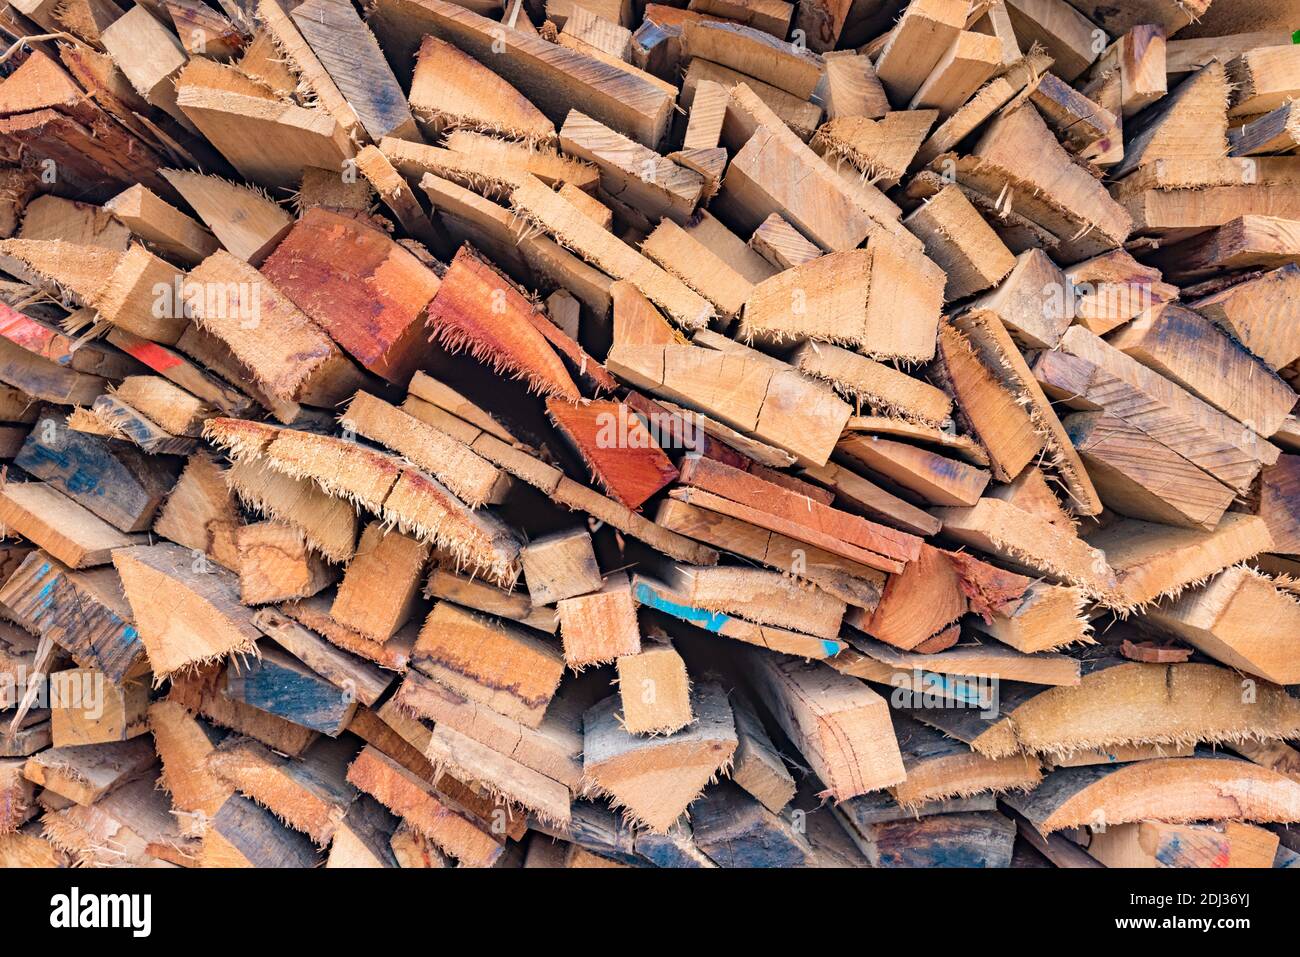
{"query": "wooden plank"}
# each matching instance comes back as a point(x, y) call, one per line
point(1158, 561)
point(634, 173)
point(972, 59)
point(1138, 477)
point(654, 689)
point(662, 597)
point(1243, 243)
point(85, 613)
point(1223, 446)
point(754, 53)
point(859, 308)
point(934, 478)
point(840, 726)
point(426, 810)
point(68, 531)
point(350, 54)
point(269, 142)
point(1171, 790)
point(625, 766)
point(288, 354)
point(1023, 540)
point(242, 834)
point(958, 239)
point(878, 661)
point(1065, 202)
point(85, 774)
point(621, 453)
point(1184, 346)
point(498, 665)
point(1229, 619)
point(111, 479)
point(984, 406)
point(279, 684)
point(1067, 34)
point(378, 591)
point(799, 115)
point(554, 78)
point(554, 748)
point(202, 691)
point(755, 394)
point(746, 489)
point(83, 714)
point(1277, 131)
point(561, 565)
point(450, 88)
point(924, 33)
point(1279, 504)
point(574, 229)
point(1263, 79)
point(183, 742)
point(466, 474)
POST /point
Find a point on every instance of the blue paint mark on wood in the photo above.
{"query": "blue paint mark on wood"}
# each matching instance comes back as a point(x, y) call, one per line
point(713, 621)
point(279, 685)
point(118, 483)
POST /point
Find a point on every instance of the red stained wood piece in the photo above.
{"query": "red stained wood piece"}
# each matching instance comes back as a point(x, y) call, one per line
point(480, 311)
point(750, 490)
point(358, 285)
point(620, 451)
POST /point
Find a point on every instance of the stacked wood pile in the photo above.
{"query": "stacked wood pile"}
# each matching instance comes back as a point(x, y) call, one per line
point(589, 433)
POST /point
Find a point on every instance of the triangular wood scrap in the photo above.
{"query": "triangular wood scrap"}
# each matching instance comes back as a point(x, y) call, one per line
point(918, 605)
point(185, 618)
point(480, 311)
point(451, 90)
point(655, 779)
point(990, 339)
point(208, 32)
point(623, 455)
point(984, 407)
point(881, 149)
point(244, 220)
